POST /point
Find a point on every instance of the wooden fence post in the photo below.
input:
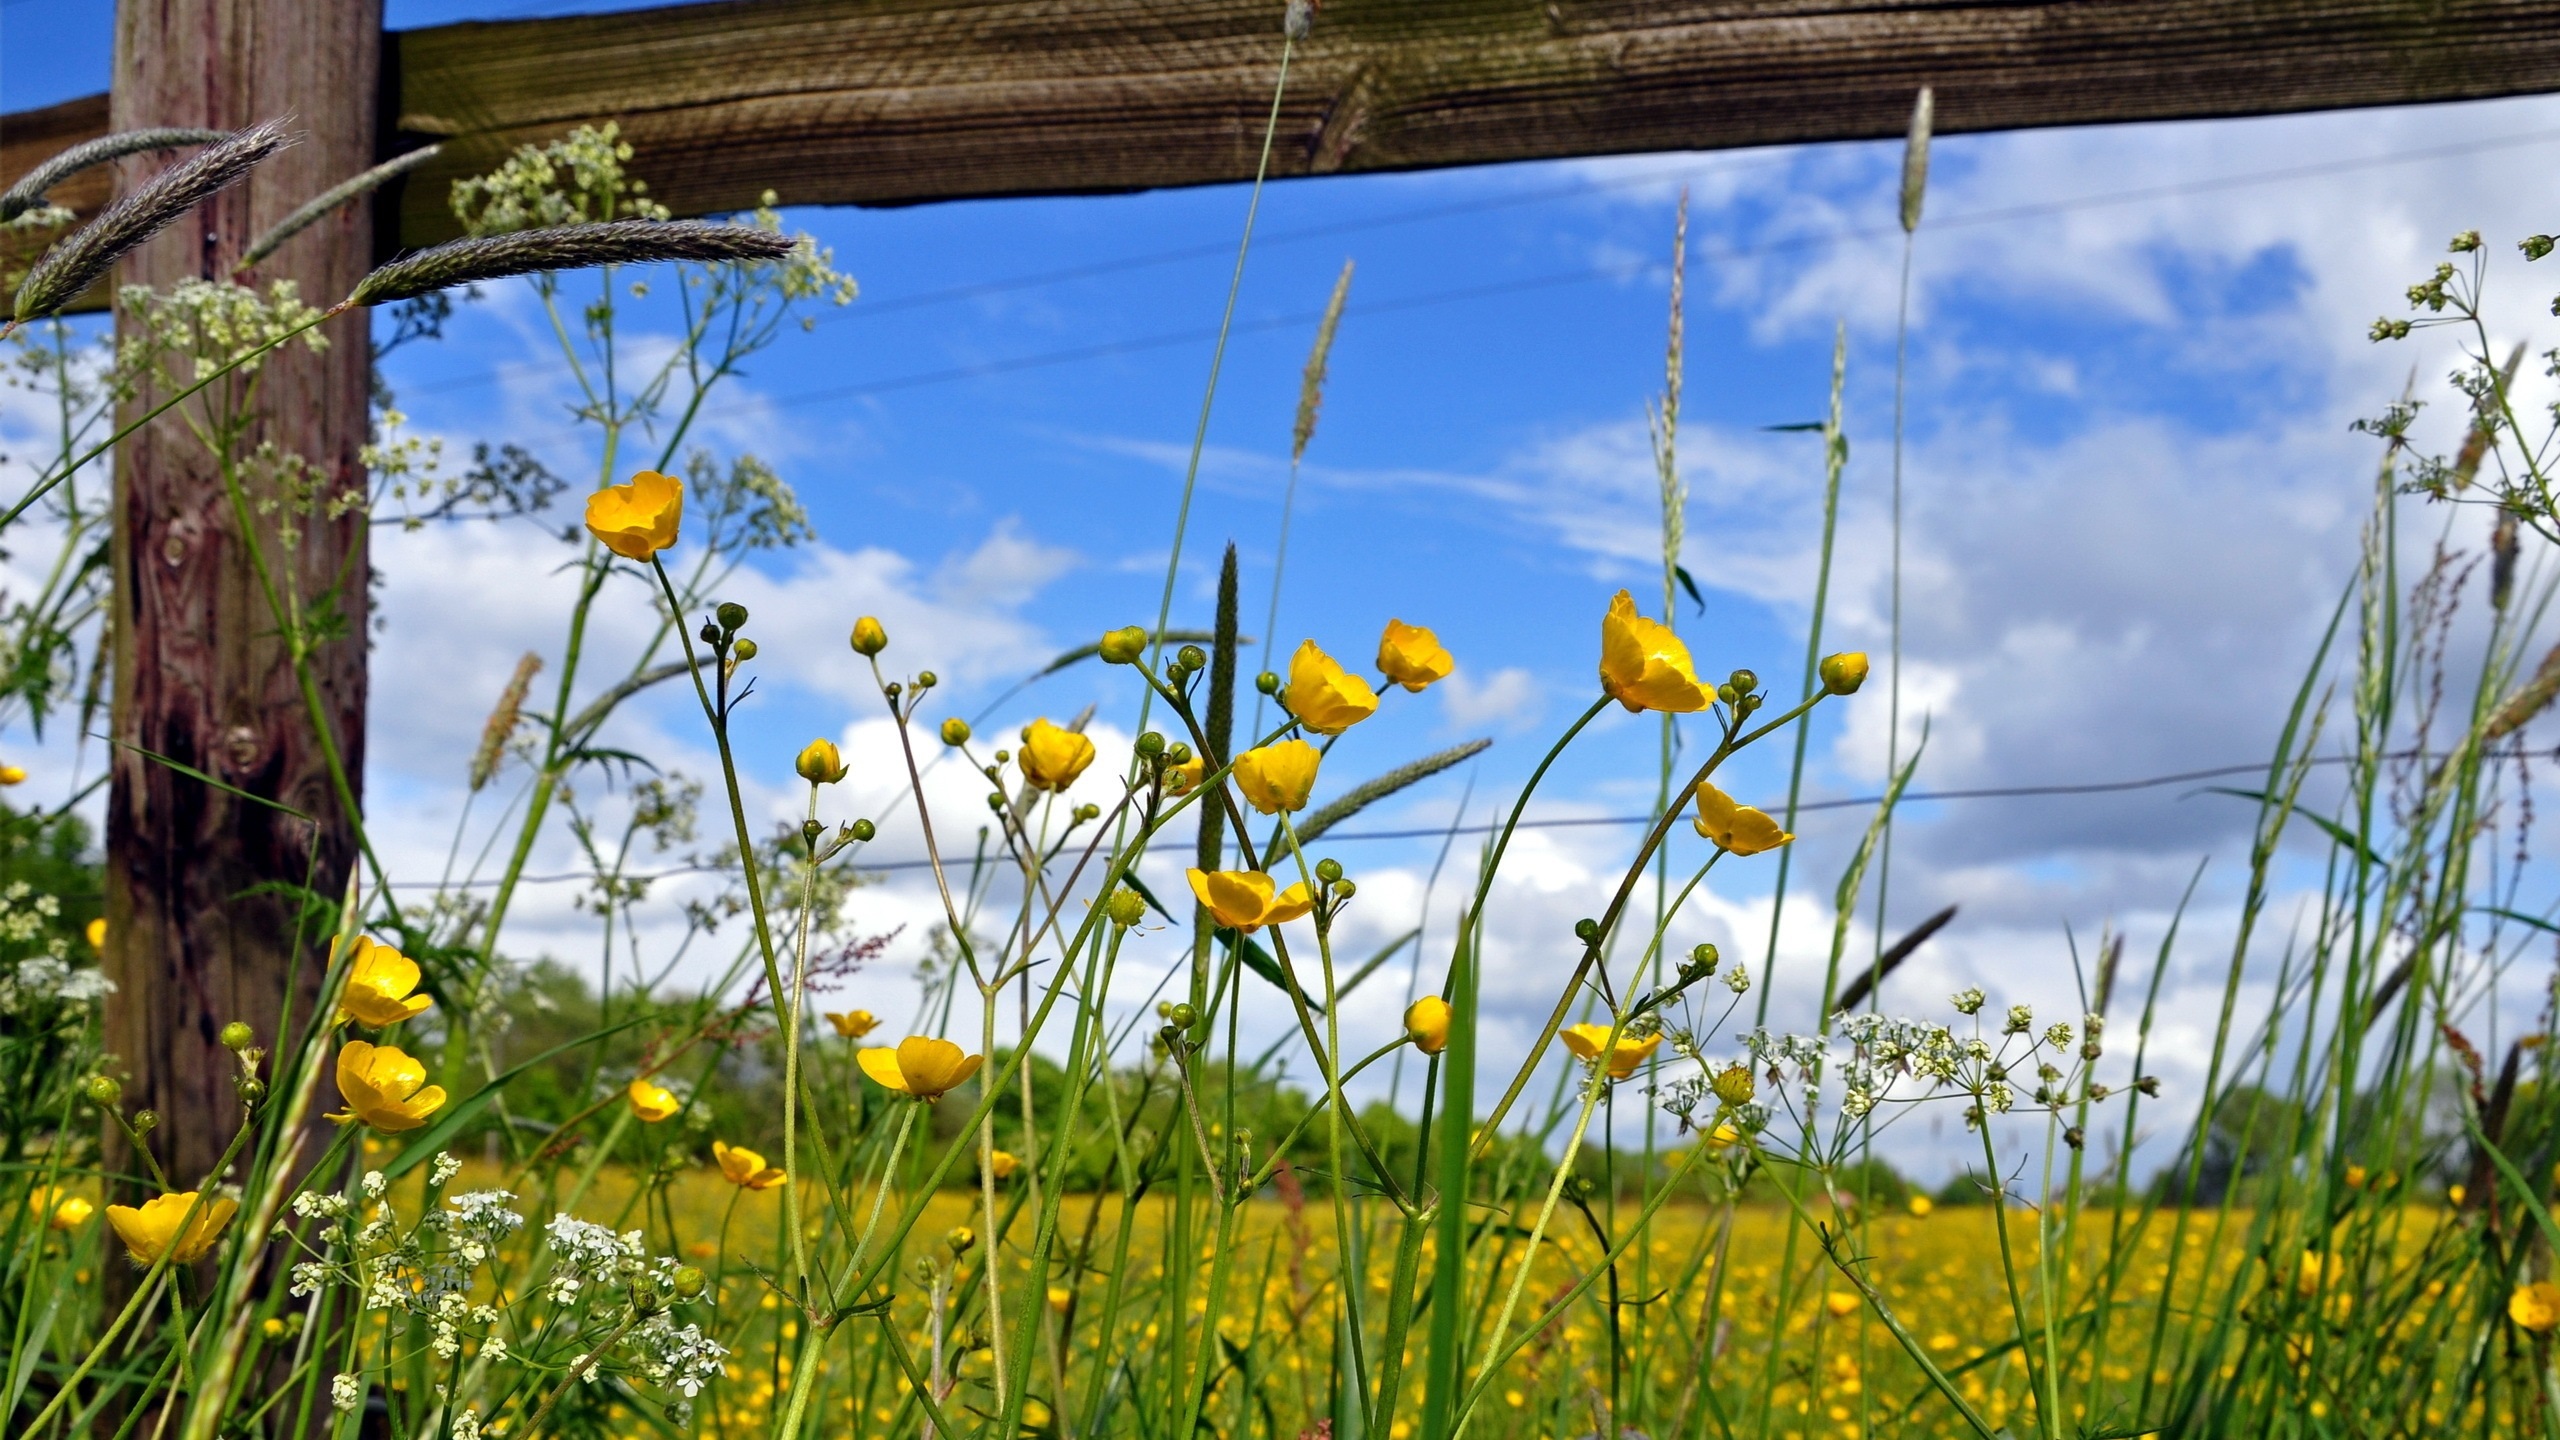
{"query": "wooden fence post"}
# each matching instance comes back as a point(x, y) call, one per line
point(201, 675)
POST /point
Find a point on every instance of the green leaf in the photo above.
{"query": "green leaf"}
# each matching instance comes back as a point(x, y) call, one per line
point(1689, 583)
point(193, 773)
point(435, 1137)
point(2332, 828)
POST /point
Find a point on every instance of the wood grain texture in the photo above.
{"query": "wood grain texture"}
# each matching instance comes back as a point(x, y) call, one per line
point(896, 102)
point(200, 673)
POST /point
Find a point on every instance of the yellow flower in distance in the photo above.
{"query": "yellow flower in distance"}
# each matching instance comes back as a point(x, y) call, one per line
point(1738, 828)
point(1841, 1303)
point(2536, 1307)
point(152, 1230)
point(1053, 756)
point(853, 1024)
point(1644, 666)
point(1277, 777)
point(385, 1087)
point(1411, 656)
point(1244, 900)
point(379, 985)
point(651, 1101)
point(60, 1209)
point(745, 1168)
point(1325, 697)
point(820, 764)
point(1060, 1297)
point(1427, 1021)
point(1002, 1163)
point(1921, 1205)
point(921, 1065)
point(637, 520)
point(12, 775)
point(1585, 1042)
point(1724, 1137)
point(97, 933)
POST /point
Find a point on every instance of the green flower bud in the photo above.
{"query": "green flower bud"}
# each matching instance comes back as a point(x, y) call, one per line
point(145, 1121)
point(1345, 889)
point(1193, 658)
point(105, 1090)
point(926, 680)
point(1183, 1016)
point(1267, 682)
point(1743, 681)
point(1328, 870)
point(689, 1281)
point(2537, 246)
point(1126, 907)
point(862, 830)
point(732, 615)
point(1843, 673)
point(237, 1035)
point(955, 731)
point(1587, 931)
point(1150, 744)
point(743, 651)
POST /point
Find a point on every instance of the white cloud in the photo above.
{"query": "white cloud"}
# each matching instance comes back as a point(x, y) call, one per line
point(1509, 698)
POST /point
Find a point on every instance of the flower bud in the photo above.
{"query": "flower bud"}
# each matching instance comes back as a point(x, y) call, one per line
point(732, 615)
point(893, 689)
point(1704, 957)
point(1126, 907)
point(145, 1121)
point(810, 830)
point(1193, 658)
point(1124, 645)
point(1177, 753)
point(868, 637)
point(1345, 889)
point(1743, 681)
point(1087, 814)
point(1164, 1009)
point(689, 1281)
point(960, 1239)
point(1183, 1016)
point(1267, 682)
point(2537, 246)
point(1587, 930)
point(1150, 744)
point(926, 680)
point(1328, 870)
point(1733, 1085)
point(237, 1035)
point(820, 764)
point(1843, 673)
point(862, 830)
point(105, 1090)
point(251, 1089)
point(709, 633)
point(995, 801)
point(742, 650)
point(955, 732)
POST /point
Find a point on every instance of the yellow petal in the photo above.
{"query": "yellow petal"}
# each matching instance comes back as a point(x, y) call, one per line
point(880, 1062)
point(1278, 777)
point(1411, 656)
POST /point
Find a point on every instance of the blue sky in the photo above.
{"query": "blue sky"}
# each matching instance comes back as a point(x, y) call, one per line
point(2130, 489)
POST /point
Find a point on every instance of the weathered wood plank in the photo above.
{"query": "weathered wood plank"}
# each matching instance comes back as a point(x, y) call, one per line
point(902, 101)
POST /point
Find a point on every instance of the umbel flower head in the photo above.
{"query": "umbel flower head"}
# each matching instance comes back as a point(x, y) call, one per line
point(1277, 777)
point(651, 1101)
point(1325, 697)
point(1644, 666)
point(1244, 900)
point(152, 1230)
point(1738, 828)
point(1411, 656)
point(379, 985)
point(637, 520)
point(820, 764)
point(1427, 1021)
point(745, 1168)
point(921, 1065)
point(1053, 756)
point(384, 1087)
point(1624, 1056)
point(853, 1024)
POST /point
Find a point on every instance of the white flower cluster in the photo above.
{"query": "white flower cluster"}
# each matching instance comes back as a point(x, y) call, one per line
point(46, 979)
point(676, 1357)
point(210, 324)
point(585, 1252)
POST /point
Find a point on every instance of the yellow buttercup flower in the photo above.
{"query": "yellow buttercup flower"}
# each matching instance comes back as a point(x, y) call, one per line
point(651, 1101)
point(853, 1024)
point(1724, 1137)
point(745, 1168)
point(868, 637)
point(1184, 778)
point(2536, 1307)
point(1325, 697)
point(1738, 828)
point(820, 764)
point(921, 1065)
point(1002, 1163)
point(1585, 1041)
point(1843, 673)
point(1277, 777)
point(61, 1210)
point(1243, 900)
point(1644, 666)
point(385, 1087)
point(1841, 1303)
point(152, 1230)
point(1060, 1297)
point(1427, 1021)
point(1411, 656)
point(379, 985)
point(12, 775)
point(97, 933)
point(1920, 1206)
point(637, 520)
point(1053, 756)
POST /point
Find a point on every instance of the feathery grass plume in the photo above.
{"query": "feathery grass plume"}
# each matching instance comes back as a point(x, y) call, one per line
point(1311, 382)
point(333, 197)
point(29, 192)
point(1666, 417)
point(1360, 797)
point(502, 722)
point(70, 268)
point(567, 247)
point(1915, 158)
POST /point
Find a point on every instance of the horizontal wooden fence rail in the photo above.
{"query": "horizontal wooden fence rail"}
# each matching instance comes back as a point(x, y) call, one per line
point(892, 102)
